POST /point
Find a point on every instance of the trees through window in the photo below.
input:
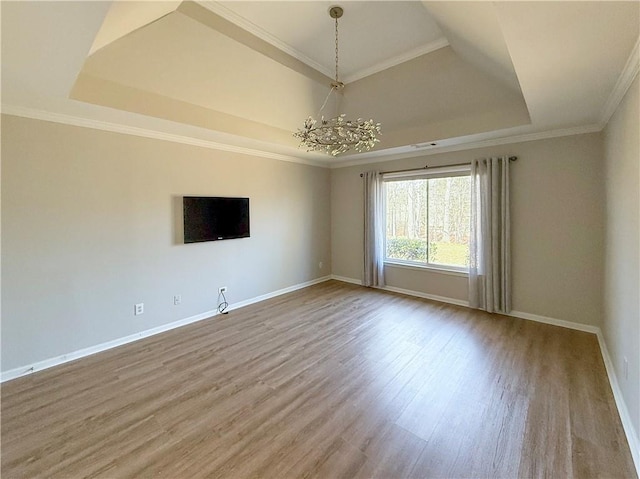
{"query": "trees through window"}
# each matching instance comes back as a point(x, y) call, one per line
point(427, 220)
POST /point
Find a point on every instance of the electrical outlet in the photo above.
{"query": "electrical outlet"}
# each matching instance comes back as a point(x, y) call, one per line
point(320, 265)
point(625, 368)
point(138, 309)
point(222, 289)
point(177, 299)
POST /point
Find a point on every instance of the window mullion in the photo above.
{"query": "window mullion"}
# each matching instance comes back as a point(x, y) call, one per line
point(426, 226)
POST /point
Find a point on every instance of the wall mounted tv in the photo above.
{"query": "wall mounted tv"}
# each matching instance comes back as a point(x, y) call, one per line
point(209, 218)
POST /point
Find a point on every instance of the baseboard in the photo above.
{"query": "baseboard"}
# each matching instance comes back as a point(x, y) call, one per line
point(623, 411)
point(81, 353)
point(516, 314)
point(279, 292)
point(344, 279)
point(433, 297)
point(555, 322)
point(408, 292)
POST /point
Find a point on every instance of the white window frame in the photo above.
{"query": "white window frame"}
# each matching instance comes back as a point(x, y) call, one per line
point(439, 172)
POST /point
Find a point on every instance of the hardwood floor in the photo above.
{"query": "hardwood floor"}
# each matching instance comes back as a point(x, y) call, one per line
point(331, 381)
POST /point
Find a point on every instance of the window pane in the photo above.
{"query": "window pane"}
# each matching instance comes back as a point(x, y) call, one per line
point(407, 220)
point(449, 217)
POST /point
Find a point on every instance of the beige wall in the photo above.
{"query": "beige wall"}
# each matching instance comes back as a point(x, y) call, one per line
point(621, 326)
point(461, 100)
point(557, 227)
point(88, 230)
point(88, 221)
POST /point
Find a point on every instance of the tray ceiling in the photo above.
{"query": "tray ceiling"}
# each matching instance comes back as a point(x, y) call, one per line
point(248, 73)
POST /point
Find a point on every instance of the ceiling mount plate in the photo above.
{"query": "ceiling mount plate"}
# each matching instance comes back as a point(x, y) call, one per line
point(336, 11)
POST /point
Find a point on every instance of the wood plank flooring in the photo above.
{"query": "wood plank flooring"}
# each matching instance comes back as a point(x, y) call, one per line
point(331, 381)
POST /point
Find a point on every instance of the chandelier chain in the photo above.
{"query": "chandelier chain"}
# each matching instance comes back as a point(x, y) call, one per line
point(336, 49)
point(337, 135)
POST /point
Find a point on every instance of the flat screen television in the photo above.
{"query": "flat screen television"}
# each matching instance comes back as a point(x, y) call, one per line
point(209, 218)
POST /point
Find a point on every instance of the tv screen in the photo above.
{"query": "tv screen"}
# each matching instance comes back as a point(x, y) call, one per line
point(213, 218)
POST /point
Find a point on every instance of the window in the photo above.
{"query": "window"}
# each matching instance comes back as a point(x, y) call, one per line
point(428, 218)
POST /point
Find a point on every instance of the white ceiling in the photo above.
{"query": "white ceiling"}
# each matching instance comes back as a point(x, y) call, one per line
point(373, 36)
point(581, 48)
point(242, 74)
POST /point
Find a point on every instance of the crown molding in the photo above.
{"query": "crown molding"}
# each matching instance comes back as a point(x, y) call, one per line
point(373, 157)
point(470, 145)
point(397, 60)
point(629, 73)
point(262, 34)
point(259, 32)
point(146, 133)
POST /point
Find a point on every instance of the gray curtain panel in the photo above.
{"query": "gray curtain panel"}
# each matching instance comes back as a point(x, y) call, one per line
point(490, 250)
point(373, 274)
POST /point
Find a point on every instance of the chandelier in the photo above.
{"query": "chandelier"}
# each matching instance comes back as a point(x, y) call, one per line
point(337, 135)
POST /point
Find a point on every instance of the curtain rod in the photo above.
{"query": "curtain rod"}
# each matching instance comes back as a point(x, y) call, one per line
point(425, 167)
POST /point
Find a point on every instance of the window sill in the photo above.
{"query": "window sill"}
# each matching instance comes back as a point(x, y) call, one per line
point(431, 269)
